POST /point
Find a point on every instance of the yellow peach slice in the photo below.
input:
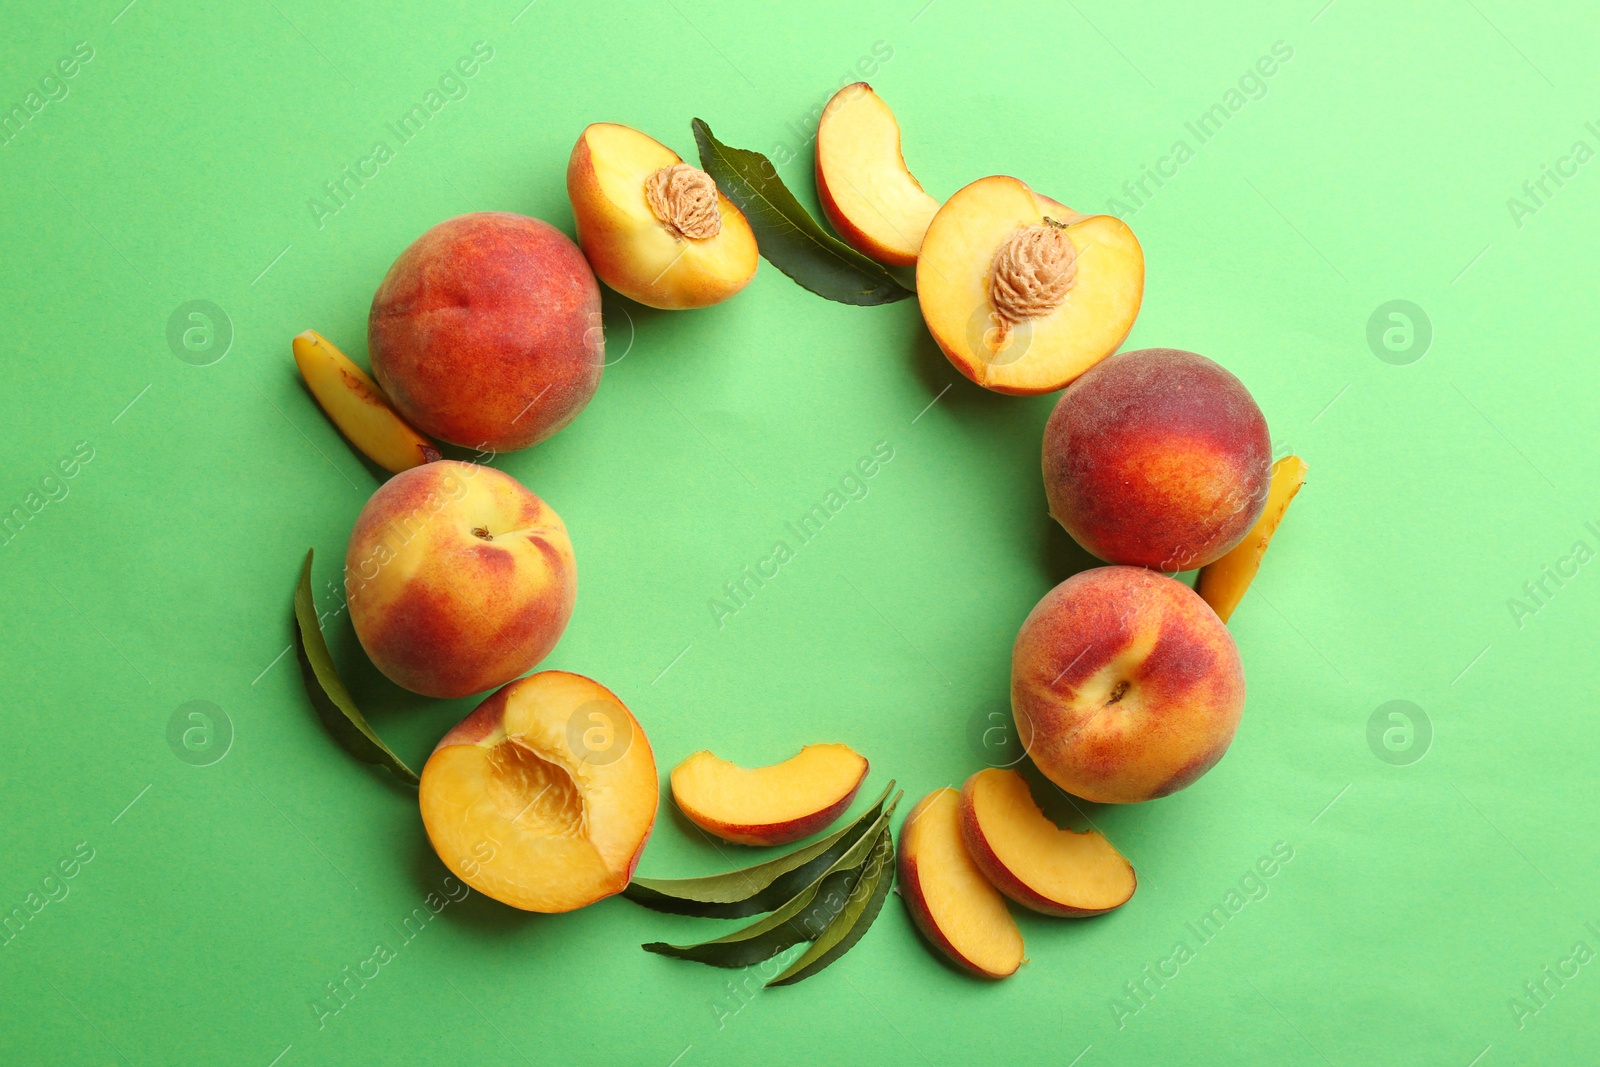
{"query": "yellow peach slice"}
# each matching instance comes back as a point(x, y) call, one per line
point(358, 407)
point(1222, 584)
point(1021, 301)
point(950, 900)
point(655, 228)
point(544, 796)
point(866, 191)
point(1030, 860)
point(768, 805)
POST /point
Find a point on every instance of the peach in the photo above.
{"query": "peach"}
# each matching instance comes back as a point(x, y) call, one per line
point(1030, 860)
point(951, 902)
point(1022, 301)
point(459, 579)
point(486, 332)
point(543, 797)
point(357, 406)
point(1222, 583)
point(655, 228)
point(1125, 685)
point(768, 805)
point(1157, 458)
point(866, 191)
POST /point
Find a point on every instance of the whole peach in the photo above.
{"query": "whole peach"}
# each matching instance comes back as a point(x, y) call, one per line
point(1157, 458)
point(1125, 685)
point(486, 331)
point(459, 579)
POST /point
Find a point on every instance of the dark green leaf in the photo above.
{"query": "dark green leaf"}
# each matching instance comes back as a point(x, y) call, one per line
point(788, 236)
point(801, 919)
point(852, 922)
point(328, 695)
point(751, 890)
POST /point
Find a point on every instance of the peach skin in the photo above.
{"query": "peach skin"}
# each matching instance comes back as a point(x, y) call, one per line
point(1125, 685)
point(486, 331)
point(459, 579)
point(655, 228)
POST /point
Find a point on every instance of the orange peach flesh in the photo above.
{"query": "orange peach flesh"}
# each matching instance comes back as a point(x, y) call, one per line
point(951, 902)
point(521, 816)
point(866, 191)
point(1222, 584)
point(358, 407)
point(629, 246)
point(1030, 860)
point(1040, 354)
point(768, 805)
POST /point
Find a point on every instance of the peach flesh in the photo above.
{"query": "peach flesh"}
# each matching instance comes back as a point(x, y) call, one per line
point(771, 805)
point(863, 184)
point(486, 331)
point(1157, 458)
point(520, 804)
point(1125, 685)
point(459, 578)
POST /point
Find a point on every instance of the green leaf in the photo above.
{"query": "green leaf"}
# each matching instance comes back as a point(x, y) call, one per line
point(332, 700)
point(788, 236)
point(801, 919)
point(853, 921)
point(752, 890)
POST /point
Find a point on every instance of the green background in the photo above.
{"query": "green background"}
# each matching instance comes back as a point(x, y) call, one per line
point(1432, 874)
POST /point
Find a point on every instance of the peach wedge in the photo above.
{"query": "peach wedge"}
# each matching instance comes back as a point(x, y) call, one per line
point(654, 227)
point(866, 191)
point(358, 407)
point(768, 805)
point(544, 796)
point(1030, 860)
point(1022, 301)
point(1222, 584)
point(951, 901)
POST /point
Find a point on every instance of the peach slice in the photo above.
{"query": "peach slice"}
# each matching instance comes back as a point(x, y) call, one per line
point(950, 900)
point(1021, 301)
point(1030, 860)
point(1222, 584)
point(655, 228)
point(357, 406)
point(768, 805)
point(544, 796)
point(866, 191)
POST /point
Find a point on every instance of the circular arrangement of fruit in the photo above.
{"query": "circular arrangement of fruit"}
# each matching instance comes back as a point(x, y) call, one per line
point(1125, 683)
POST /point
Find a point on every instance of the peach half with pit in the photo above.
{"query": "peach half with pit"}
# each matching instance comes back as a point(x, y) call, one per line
point(486, 331)
point(1021, 294)
point(459, 578)
point(1125, 685)
point(656, 229)
point(543, 797)
point(770, 805)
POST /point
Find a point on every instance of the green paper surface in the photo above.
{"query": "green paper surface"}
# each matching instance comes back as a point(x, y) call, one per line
point(207, 182)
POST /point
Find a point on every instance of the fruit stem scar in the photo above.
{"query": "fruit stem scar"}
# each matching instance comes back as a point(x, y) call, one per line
point(1117, 693)
point(483, 533)
point(684, 199)
point(1031, 274)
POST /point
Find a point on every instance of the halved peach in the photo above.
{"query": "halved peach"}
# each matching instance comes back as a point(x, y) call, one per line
point(544, 796)
point(357, 406)
point(866, 191)
point(768, 805)
point(1021, 301)
point(655, 228)
point(951, 901)
point(1222, 584)
point(1030, 860)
